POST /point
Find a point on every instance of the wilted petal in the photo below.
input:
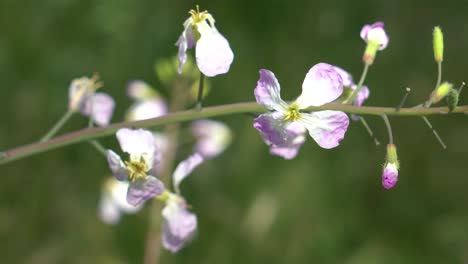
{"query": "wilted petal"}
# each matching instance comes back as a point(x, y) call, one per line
point(147, 109)
point(117, 166)
point(213, 137)
point(144, 189)
point(78, 92)
point(185, 167)
point(322, 85)
point(267, 92)
point(138, 143)
point(179, 226)
point(327, 128)
point(345, 76)
point(185, 41)
point(213, 53)
point(99, 107)
point(390, 176)
point(375, 32)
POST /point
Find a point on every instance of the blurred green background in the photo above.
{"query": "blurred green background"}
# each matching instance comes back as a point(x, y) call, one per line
point(325, 206)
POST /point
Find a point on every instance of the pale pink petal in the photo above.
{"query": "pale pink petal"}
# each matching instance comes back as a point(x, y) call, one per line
point(327, 128)
point(345, 76)
point(179, 226)
point(390, 176)
point(139, 143)
point(142, 190)
point(117, 166)
point(267, 92)
point(376, 33)
point(322, 85)
point(212, 137)
point(99, 107)
point(185, 167)
point(185, 41)
point(147, 109)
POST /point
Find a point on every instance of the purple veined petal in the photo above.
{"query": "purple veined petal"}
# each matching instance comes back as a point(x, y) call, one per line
point(117, 166)
point(99, 107)
point(375, 32)
point(327, 128)
point(295, 138)
point(142, 190)
point(185, 41)
point(140, 90)
point(213, 137)
point(267, 92)
point(213, 53)
point(284, 138)
point(322, 85)
point(360, 98)
point(272, 128)
point(345, 76)
point(108, 211)
point(389, 176)
point(138, 143)
point(179, 226)
point(186, 167)
point(147, 109)
point(118, 193)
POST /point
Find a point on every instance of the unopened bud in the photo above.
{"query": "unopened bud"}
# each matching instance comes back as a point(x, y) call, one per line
point(452, 99)
point(392, 156)
point(370, 52)
point(442, 91)
point(438, 43)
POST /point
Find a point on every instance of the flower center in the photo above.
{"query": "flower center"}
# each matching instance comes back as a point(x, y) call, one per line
point(137, 169)
point(197, 16)
point(292, 113)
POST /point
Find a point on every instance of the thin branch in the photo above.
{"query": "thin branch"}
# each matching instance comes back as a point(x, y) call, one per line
point(182, 116)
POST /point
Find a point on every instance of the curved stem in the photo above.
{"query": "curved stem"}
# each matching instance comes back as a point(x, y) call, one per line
point(57, 126)
point(389, 128)
point(182, 116)
point(353, 96)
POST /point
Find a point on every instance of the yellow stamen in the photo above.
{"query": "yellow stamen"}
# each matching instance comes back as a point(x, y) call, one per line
point(292, 114)
point(197, 16)
point(137, 169)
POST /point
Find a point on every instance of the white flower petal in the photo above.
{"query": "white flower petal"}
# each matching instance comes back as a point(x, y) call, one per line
point(267, 92)
point(213, 53)
point(138, 143)
point(185, 167)
point(213, 137)
point(118, 168)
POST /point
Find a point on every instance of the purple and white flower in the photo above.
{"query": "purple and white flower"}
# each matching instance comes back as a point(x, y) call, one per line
point(180, 225)
point(348, 82)
point(375, 33)
point(284, 127)
point(141, 147)
point(83, 98)
point(212, 51)
point(114, 201)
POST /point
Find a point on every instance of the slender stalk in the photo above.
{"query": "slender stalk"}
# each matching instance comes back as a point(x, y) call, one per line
point(57, 126)
point(403, 100)
point(369, 130)
point(100, 148)
point(182, 116)
point(436, 135)
point(359, 85)
point(389, 128)
point(201, 85)
point(153, 238)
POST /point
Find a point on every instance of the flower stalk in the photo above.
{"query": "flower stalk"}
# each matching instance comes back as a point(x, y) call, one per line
point(221, 110)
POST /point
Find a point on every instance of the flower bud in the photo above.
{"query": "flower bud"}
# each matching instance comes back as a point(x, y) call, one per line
point(370, 52)
point(438, 43)
point(452, 99)
point(376, 38)
point(441, 91)
point(390, 172)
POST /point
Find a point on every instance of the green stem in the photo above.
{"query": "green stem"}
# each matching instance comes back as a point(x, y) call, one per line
point(98, 147)
point(57, 126)
point(389, 128)
point(201, 85)
point(182, 116)
point(353, 96)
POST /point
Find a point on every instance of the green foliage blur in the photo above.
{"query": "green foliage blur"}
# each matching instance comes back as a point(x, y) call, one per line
point(325, 206)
